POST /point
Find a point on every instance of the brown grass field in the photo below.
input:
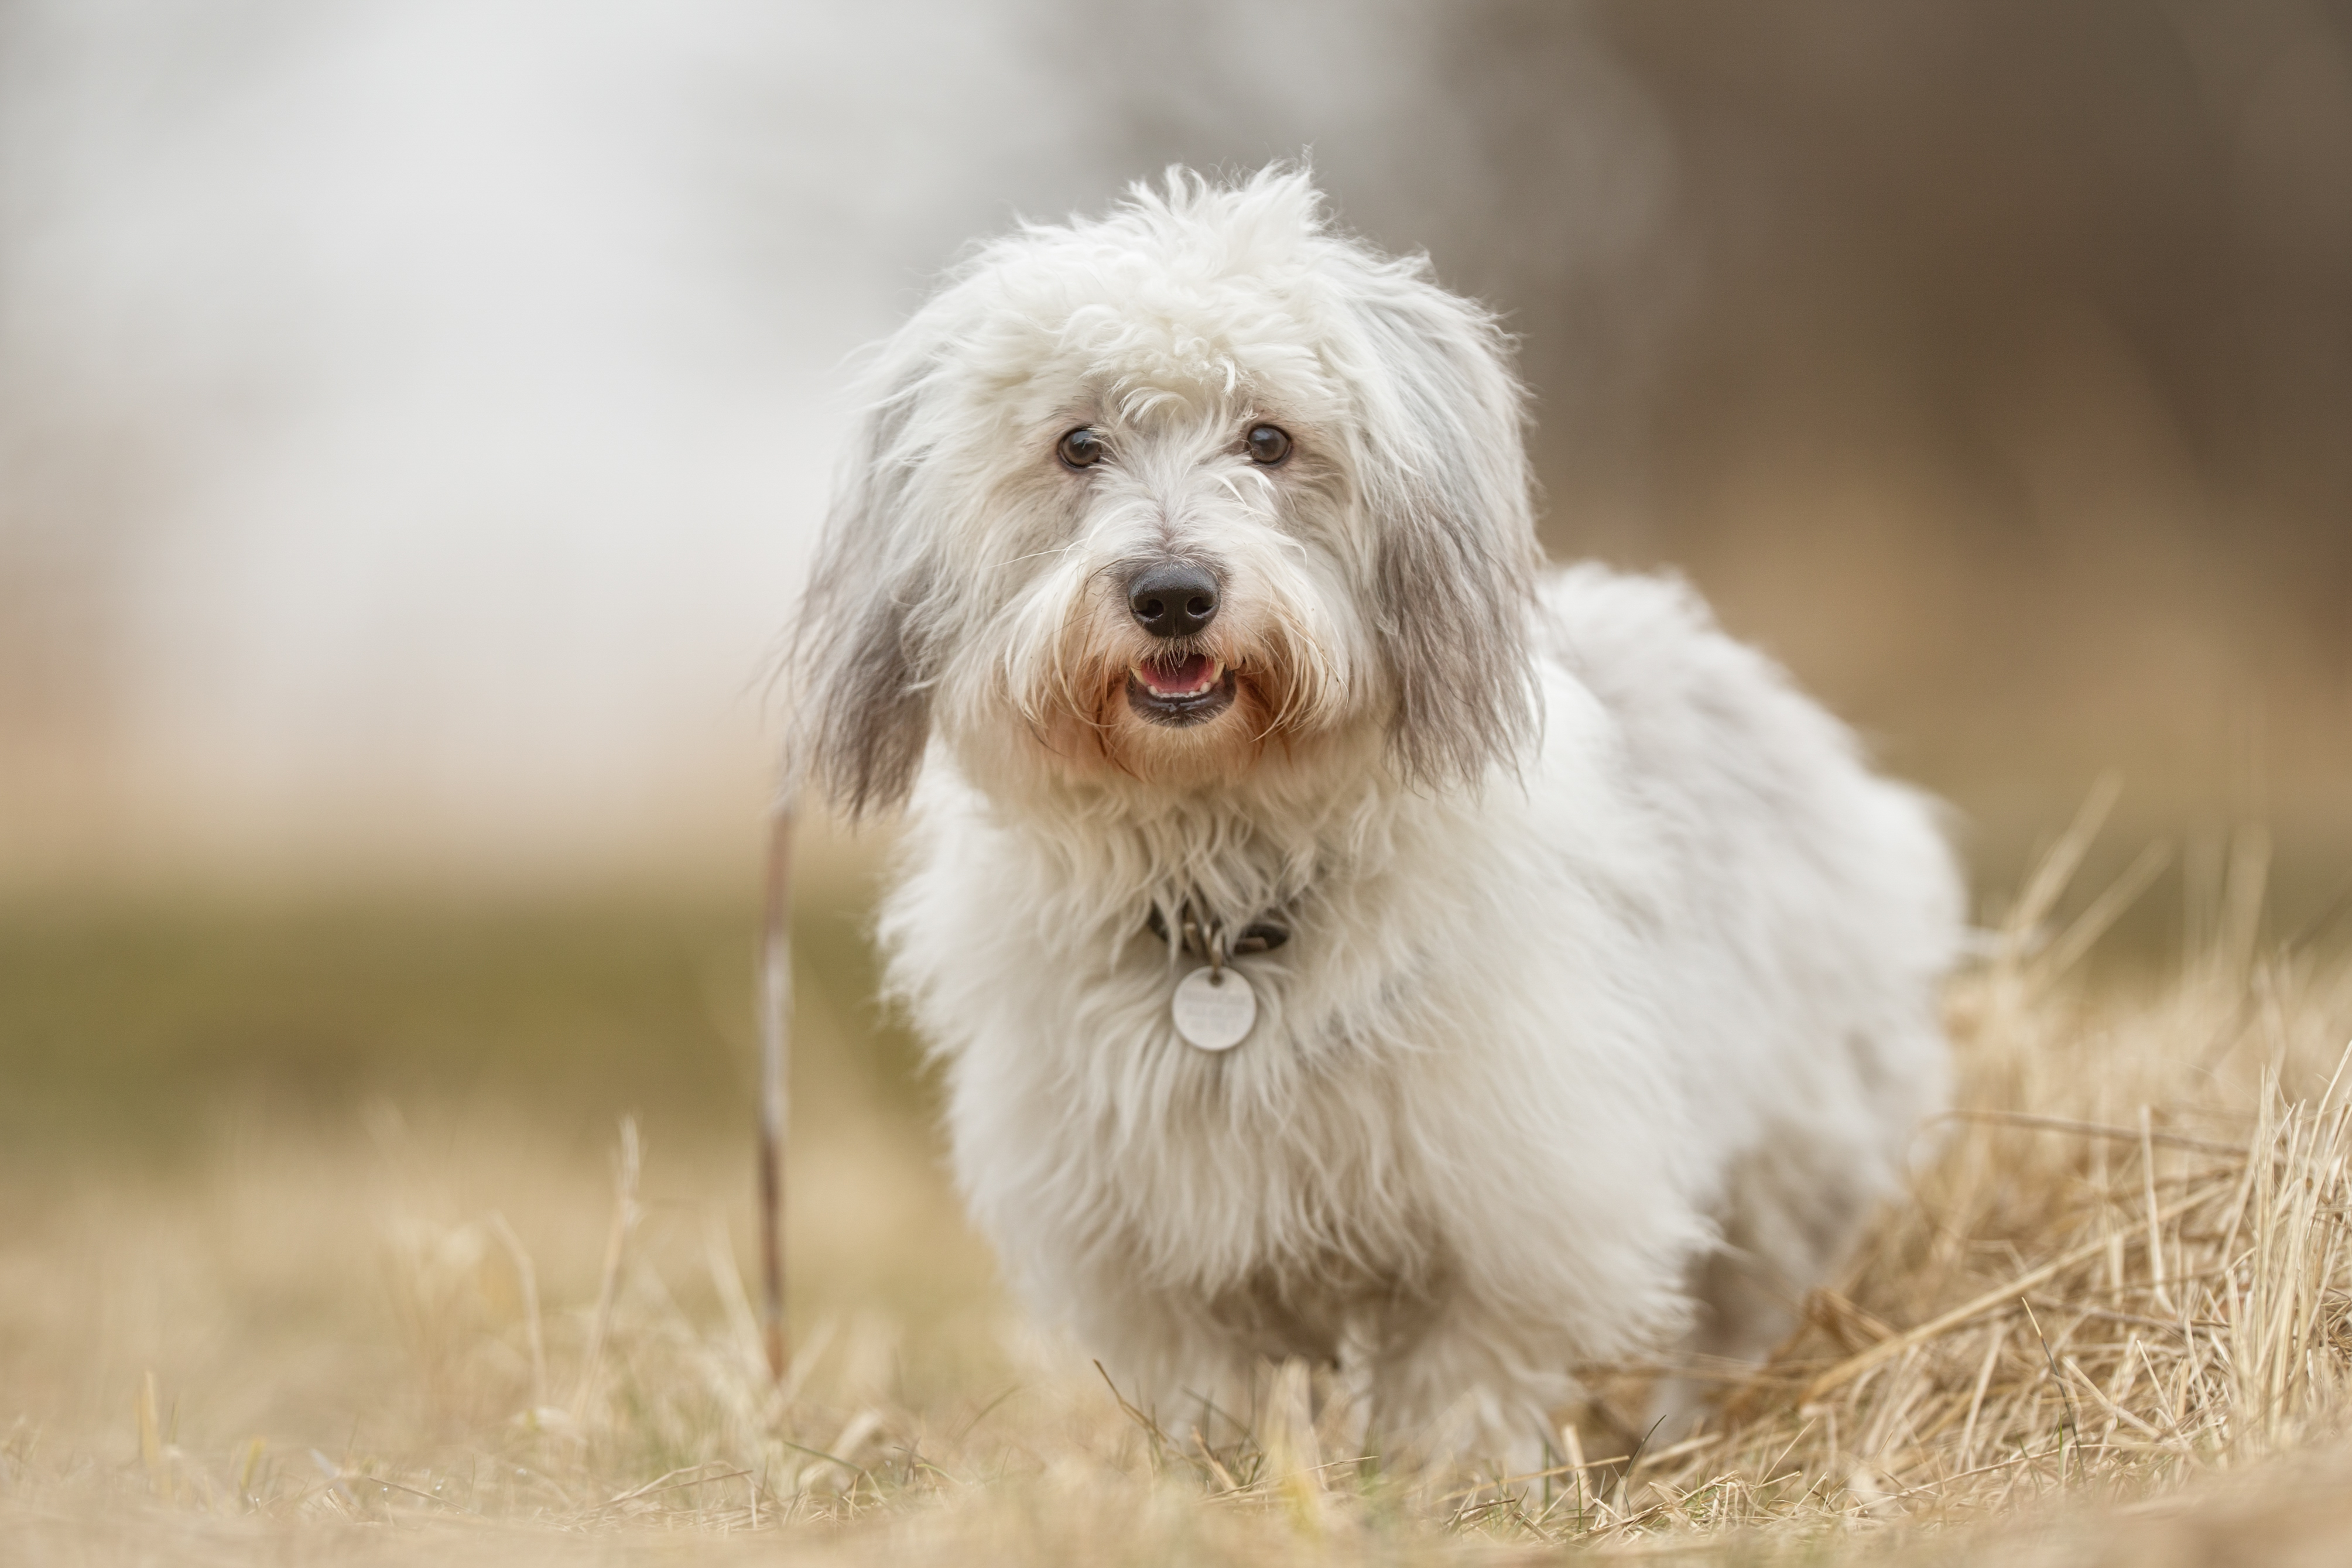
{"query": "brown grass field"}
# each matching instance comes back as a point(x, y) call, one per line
point(2113, 1325)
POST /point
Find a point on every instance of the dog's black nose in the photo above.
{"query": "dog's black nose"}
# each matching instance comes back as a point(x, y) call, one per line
point(1173, 599)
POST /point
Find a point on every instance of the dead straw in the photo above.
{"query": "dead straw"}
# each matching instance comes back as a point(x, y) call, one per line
point(775, 1051)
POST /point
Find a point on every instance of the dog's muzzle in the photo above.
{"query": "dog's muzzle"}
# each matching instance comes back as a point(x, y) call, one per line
point(1175, 601)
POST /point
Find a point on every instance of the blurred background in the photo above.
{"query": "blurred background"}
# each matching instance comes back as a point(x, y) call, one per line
point(414, 418)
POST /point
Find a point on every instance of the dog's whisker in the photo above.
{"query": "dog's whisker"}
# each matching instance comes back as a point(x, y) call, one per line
point(1061, 549)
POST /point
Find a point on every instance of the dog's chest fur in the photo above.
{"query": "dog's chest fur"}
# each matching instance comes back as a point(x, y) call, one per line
point(1278, 1186)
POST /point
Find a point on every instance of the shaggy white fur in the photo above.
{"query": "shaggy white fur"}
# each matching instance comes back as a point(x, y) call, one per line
point(1608, 1005)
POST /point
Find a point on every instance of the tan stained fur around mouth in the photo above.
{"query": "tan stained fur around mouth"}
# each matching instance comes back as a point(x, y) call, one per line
point(1237, 736)
point(1078, 709)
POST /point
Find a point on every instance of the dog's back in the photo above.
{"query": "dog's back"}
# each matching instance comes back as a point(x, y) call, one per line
point(1827, 906)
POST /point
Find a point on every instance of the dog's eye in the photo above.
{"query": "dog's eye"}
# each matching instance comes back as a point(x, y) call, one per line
point(1268, 444)
point(1080, 448)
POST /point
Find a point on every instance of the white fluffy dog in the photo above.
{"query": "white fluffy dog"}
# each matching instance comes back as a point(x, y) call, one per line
point(1344, 939)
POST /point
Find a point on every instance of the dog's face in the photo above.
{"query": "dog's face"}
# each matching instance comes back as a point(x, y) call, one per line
point(1172, 499)
point(1178, 577)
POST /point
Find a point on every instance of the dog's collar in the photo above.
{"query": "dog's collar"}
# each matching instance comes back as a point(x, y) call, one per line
point(1207, 940)
point(1213, 1008)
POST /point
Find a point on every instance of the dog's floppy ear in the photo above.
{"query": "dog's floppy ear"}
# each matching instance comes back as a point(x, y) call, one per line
point(855, 663)
point(1444, 474)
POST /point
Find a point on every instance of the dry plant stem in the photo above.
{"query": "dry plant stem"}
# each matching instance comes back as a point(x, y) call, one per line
point(2154, 1224)
point(625, 1213)
point(2092, 922)
point(775, 1051)
point(1853, 1367)
point(2095, 1130)
point(150, 1437)
point(527, 1277)
point(2049, 878)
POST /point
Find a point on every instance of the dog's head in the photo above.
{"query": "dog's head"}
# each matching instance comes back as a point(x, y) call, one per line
point(1166, 499)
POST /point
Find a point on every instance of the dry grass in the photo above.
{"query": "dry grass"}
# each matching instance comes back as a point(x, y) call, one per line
point(2112, 1326)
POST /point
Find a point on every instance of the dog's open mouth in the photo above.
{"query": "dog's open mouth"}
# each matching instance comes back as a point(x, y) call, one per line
point(1192, 690)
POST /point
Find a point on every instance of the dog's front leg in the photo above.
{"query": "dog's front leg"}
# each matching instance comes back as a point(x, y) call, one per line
point(1165, 1354)
point(1460, 1386)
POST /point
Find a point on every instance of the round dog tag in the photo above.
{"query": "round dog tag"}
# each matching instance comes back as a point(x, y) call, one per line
point(1214, 1009)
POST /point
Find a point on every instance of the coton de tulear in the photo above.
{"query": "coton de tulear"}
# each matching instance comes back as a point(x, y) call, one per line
point(1344, 937)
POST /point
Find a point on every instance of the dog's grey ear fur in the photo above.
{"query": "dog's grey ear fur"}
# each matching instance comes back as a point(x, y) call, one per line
point(1444, 471)
point(860, 691)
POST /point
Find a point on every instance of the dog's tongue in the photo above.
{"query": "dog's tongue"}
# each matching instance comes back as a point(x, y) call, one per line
point(1177, 677)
